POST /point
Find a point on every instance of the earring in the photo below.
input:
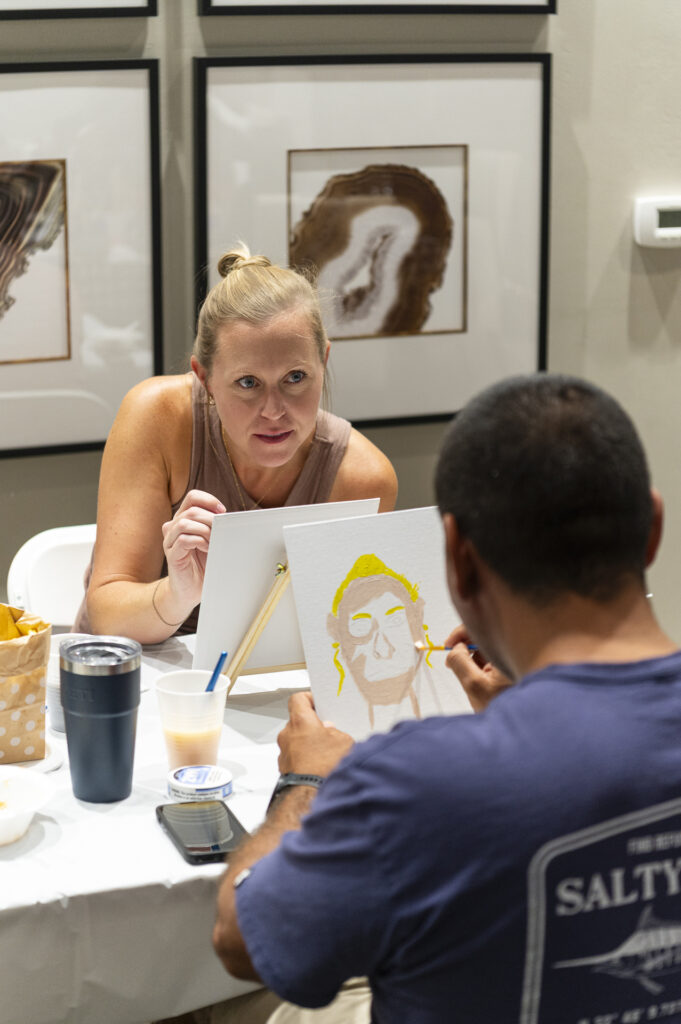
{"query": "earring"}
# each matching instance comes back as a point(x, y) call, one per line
point(211, 400)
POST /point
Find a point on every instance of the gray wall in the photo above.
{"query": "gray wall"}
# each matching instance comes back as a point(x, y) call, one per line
point(615, 314)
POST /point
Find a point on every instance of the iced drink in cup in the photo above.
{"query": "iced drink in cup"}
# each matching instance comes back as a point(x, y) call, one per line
point(191, 718)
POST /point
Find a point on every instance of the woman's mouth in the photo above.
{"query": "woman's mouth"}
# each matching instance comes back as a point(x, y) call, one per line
point(274, 439)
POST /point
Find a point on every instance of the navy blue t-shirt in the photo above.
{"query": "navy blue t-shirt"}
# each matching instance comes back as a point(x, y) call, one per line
point(523, 864)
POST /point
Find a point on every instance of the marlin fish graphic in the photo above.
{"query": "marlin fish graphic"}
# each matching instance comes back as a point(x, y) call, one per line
point(654, 948)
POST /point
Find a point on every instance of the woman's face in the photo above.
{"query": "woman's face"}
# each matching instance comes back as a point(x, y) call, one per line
point(267, 382)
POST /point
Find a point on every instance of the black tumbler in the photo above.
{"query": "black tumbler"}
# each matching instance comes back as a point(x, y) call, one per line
point(100, 693)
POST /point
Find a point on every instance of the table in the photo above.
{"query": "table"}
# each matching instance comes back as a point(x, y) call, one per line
point(101, 920)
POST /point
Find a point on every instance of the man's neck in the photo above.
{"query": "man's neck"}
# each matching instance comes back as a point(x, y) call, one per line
point(576, 629)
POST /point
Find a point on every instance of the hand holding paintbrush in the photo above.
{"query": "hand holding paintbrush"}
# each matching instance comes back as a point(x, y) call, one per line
point(479, 677)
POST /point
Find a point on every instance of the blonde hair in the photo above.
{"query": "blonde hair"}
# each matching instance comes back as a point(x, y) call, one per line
point(255, 290)
point(370, 566)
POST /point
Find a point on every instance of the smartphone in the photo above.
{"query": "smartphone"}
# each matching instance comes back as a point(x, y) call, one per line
point(202, 830)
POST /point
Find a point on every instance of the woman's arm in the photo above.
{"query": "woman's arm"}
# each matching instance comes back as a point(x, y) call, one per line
point(145, 467)
point(365, 472)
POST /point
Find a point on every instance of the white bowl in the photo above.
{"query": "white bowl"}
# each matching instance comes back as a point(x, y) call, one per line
point(22, 794)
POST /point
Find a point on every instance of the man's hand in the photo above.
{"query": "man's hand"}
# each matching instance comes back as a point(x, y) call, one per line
point(308, 745)
point(479, 678)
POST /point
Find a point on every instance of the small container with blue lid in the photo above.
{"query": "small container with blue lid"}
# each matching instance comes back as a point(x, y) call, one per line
point(199, 782)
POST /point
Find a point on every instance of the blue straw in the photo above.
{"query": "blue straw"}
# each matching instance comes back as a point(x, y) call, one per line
point(216, 672)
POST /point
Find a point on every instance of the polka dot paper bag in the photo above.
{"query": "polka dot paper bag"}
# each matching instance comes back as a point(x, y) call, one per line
point(24, 653)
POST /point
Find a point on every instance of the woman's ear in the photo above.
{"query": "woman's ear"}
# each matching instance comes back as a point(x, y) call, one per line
point(199, 371)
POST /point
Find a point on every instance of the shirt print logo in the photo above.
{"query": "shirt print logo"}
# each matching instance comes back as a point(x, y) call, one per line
point(603, 939)
point(652, 950)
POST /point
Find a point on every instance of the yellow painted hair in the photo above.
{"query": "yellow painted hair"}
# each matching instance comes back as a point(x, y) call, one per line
point(371, 565)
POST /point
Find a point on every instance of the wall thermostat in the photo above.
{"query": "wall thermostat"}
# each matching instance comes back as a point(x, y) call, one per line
point(657, 221)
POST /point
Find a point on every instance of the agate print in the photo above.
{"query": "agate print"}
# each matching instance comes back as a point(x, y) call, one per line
point(382, 237)
point(33, 221)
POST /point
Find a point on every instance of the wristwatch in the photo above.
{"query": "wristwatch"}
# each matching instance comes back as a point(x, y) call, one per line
point(294, 779)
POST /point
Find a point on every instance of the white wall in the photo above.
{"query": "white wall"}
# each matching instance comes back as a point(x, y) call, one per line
point(615, 310)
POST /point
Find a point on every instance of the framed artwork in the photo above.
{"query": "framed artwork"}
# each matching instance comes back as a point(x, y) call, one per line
point(379, 7)
point(414, 187)
point(80, 284)
point(13, 9)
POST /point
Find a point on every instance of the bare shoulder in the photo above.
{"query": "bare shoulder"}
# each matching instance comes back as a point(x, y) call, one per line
point(153, 431)
point(158, 402)
point(365, 472)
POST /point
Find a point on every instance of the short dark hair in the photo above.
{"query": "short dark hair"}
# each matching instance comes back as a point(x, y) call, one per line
point(547, 476)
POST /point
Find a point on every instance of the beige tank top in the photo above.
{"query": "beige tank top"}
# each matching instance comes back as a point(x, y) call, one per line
point(210, 471)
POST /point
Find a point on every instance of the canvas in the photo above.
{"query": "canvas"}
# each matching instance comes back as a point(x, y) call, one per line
point(244, 550)
point(367, 590)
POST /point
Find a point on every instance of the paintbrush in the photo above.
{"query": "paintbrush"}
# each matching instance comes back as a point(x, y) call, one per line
point(420, 646)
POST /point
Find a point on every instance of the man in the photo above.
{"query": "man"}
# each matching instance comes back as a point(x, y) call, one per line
point(524, 863)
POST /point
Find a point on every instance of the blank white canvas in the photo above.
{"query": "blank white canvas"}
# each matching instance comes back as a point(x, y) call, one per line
point(375, 660)
point(243, 553)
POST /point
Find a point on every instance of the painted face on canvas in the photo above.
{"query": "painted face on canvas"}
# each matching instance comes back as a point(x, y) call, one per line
point(378, 623)
point(267, 382)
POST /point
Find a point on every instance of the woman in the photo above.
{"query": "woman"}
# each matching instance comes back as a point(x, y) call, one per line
point(243, 430)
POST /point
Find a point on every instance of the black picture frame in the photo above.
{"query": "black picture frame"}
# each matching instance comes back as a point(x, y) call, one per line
point(232, 7)
point(63, 377)
point(84, 9)
point(255, 212)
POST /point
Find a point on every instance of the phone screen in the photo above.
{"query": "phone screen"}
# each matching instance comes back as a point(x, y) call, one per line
point(202, 830)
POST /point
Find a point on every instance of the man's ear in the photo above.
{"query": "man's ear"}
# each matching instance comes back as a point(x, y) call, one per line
point(655, 535)
point(332, 627)
point(462, 560)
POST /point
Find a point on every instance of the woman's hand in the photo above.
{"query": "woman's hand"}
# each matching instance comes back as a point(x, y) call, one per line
point(479, 678)
point(185, 546)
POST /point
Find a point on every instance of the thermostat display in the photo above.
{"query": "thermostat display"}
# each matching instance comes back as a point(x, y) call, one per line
point(657, 221)
point(669, 218)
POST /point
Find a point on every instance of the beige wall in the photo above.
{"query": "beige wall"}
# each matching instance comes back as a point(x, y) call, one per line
point(615, 313)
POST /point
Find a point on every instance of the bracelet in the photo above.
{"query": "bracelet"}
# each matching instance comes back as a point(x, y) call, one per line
point(153, 604)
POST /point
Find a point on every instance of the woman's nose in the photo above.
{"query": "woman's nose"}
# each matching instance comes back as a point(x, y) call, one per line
point(273, 407)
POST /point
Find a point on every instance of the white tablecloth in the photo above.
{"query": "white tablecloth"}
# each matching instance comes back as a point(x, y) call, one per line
point(101, 920)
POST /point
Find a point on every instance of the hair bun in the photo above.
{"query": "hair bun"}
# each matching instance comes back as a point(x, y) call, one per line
point(236, 259)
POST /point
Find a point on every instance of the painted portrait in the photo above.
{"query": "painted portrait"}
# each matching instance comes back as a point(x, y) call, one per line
point(364, 607)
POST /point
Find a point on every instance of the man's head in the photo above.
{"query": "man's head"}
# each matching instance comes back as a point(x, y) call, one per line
point(547, 478)
point(376, 617)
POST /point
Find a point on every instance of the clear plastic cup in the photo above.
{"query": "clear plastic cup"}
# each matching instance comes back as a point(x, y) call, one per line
point(191, 718)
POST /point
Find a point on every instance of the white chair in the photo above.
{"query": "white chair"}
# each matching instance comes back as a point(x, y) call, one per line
point(46, 574)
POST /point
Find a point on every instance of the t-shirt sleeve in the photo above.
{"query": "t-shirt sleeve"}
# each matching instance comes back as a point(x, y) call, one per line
point(311, 911)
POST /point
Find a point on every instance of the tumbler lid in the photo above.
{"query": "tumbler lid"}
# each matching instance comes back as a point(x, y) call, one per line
point(100, 655)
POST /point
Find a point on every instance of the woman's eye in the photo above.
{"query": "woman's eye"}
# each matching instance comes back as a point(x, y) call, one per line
point(247, 383)
point(296, 376)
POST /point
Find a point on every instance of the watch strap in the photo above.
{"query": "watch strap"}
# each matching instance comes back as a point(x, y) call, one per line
point(289, 779)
